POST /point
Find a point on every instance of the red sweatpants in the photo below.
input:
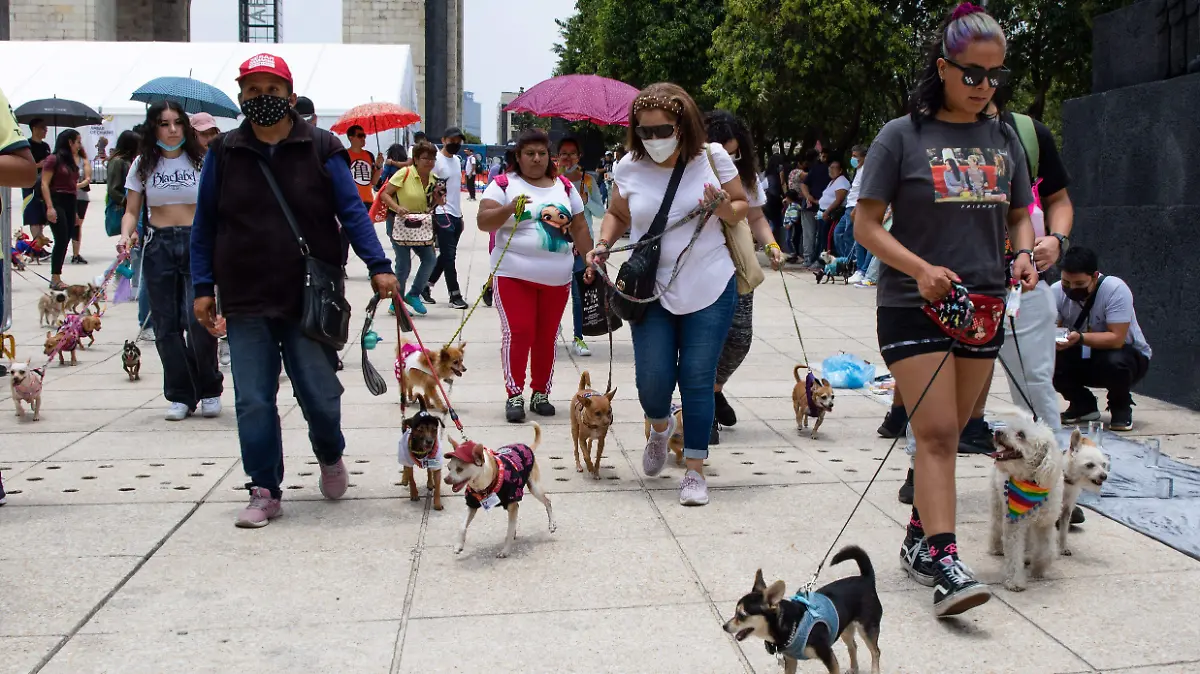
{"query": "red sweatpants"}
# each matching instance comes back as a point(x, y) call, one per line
point(529, 318)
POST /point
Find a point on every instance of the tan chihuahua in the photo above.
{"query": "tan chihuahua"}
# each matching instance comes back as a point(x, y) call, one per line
point(423, 369)
point(811, 397)
point(591, 416)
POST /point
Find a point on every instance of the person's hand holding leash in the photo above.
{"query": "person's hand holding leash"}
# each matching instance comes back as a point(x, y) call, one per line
point(934, 282)
point(594, 258)
point(1046, 251)
point(386, 285)
point(1024, 271)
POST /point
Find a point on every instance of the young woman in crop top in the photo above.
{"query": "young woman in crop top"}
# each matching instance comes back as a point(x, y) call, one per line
point(166, 178)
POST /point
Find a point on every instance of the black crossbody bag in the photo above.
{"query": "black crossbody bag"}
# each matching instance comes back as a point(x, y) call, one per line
point(637, 276)
point(1086, 311)
point(324, 313)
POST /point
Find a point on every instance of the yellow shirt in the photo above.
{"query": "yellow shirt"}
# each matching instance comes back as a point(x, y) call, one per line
point(11, 139)
point(411, 193)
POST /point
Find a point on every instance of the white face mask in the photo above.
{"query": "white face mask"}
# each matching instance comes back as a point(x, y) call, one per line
point(660, 149)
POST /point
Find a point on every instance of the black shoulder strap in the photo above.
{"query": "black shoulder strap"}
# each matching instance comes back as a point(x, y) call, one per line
point(287, 210)
point(1087, 306)
point(660, 220)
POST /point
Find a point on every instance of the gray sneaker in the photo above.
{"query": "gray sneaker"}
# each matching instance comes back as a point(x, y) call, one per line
point(178, 412)
point(223, 356)
point(693, 489)
point(146, 335)
point(210, 407)
point(655, 455)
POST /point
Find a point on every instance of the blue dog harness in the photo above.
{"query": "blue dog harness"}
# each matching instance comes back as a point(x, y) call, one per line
point(820, 610)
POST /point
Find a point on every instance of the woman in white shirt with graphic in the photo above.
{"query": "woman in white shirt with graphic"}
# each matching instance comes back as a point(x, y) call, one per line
point(166, 177)
point(679, 340)
point(538, 220)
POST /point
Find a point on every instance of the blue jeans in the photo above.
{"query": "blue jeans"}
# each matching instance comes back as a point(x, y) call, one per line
point(577, 296)
point(684, 350)
point(143, 298)
point(843, 234)
point(187, 351)
point(404, 261)
point(257, 347)
point(862, 258)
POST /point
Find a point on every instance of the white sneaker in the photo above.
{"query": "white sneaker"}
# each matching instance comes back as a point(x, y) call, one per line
point(178, 412)
point(210, 407)
point(146, 335)
point(856, 277)
point(223, 353)
point(693, 489)
point(581, 348)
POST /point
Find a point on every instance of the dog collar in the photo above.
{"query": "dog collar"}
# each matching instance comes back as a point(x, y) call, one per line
point(820, 611)
point(1023, 498)
point(495, 486)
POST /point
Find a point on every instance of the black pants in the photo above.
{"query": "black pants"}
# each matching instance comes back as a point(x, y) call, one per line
point(448, 230)
point(187, 351)
point(470, 186)
point(63, 229)
point(1116, 370)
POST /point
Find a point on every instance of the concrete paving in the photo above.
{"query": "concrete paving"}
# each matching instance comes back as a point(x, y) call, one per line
point(118, 552)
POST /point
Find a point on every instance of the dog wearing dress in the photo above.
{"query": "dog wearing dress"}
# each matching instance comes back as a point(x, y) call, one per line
point(421, 447)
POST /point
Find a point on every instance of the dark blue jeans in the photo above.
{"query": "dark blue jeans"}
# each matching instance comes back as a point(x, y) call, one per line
point(187, 351)
point(257, 348)
point(577, 297)
point(684, 350)
point(448, 230)
point(425, 254)
point(843, 234)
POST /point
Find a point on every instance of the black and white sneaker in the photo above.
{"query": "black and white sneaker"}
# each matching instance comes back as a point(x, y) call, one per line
point(894, 423)
point(427, 296)
point(514, 409)
point(956, 590)
point(914, 557)
point(456, 302)
point(906, 493)
point(540, 405)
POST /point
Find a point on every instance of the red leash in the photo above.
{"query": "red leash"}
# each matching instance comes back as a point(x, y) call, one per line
point(401, 307)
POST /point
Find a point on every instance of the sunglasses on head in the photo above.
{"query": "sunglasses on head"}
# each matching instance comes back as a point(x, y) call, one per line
point(973, 76)
point(656, 131)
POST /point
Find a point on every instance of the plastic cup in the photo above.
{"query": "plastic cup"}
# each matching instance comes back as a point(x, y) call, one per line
point(1165, 487)
point(1095, 432)
point(1152, 453)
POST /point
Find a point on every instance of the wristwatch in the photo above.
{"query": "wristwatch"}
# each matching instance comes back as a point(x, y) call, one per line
point(1064, 242)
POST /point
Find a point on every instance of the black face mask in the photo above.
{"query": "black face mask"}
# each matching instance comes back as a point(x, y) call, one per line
point(1077, 294)
point(265, 109)
point(453, 148)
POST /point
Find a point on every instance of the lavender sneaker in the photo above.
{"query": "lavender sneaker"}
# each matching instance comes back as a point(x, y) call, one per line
point(262, 509)
point(693, 489)
point(655, 455)
point(334, 480)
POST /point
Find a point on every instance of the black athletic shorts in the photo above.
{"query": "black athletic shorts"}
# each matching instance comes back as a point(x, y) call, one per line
point(905, 332)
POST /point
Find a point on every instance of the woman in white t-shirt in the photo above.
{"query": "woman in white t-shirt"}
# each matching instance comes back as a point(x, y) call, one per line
point(680, 338)
point(830, 204)
point(536, 216)
point(731, 132)
point(166, 177)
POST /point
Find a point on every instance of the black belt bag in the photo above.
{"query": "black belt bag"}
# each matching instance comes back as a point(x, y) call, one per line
point(324, 312)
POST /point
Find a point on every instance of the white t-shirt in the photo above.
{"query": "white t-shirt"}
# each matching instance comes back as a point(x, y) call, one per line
point(706, 271)
point(539, 252)
point(433, 462)
point(174, 180)
point(830, 194)
point(471, 163)
point(449, 169)
point(852, 196)
point(757, 198)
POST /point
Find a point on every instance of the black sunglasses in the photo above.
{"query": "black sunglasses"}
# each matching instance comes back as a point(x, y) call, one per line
point(973, 76)
point(656, 131)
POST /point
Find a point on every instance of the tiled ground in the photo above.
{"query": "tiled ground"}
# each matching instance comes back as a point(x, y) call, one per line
point(118, 554)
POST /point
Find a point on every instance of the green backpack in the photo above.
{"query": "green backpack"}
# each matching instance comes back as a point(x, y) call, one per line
point(1028, 135)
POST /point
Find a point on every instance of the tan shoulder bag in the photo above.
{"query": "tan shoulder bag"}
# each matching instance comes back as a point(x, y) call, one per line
point(740, 242)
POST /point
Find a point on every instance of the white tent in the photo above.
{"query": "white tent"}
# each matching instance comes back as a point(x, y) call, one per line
point(103, 75)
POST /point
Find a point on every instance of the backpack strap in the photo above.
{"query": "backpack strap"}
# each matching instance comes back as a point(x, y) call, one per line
point(567, 184)
point(502, 181)
point(1027, 132)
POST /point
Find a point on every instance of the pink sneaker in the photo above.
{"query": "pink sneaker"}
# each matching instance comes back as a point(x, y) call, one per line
point(334, 480)
point(262, 509)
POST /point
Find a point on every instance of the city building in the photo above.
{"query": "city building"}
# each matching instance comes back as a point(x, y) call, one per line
point(505, 131)
point(472, 114)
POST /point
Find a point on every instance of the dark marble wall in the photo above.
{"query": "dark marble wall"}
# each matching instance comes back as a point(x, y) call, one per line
point(1144, 42)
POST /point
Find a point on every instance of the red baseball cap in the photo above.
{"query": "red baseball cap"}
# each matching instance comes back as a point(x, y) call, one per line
point(465, 451)
point(265, 63)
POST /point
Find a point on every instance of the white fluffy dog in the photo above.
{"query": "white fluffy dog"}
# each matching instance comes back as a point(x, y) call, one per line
point(1087, 468)
point(1027, 498)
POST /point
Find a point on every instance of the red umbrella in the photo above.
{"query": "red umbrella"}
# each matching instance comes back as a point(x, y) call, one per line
point(578, 98)
point(376, 118)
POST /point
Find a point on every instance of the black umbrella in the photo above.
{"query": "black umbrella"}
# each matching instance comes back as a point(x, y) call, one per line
point(58, 112)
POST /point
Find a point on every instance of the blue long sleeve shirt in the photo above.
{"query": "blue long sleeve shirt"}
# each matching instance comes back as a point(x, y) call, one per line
point(351, 212)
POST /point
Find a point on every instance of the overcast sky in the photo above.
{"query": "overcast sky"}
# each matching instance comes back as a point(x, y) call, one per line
point(507, 42)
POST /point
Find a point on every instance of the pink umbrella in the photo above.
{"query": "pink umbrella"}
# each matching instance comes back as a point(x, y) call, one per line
point(578, 98)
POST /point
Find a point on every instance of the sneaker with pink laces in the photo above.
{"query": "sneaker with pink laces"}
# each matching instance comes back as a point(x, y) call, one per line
point(262, 509)
point(335, 479)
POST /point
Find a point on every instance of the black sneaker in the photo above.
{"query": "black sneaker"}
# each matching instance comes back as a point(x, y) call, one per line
point(955, 589)
point(3, 496)
point(487, 296)
point(514, 409)
point(714, 435)
point(427, 296)
point(81, 259)
point(894, 423)
point(914, 557)
point(976, 438)
point(1122, 419)
point(724, 411)
point(1080, 412)
point(456, 302)
point(540, 405)
point(906, 490)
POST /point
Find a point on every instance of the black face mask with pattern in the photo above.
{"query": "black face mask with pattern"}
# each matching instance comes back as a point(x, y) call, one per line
point(265, 109)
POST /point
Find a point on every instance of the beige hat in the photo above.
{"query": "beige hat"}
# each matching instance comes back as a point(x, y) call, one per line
point(202, 121)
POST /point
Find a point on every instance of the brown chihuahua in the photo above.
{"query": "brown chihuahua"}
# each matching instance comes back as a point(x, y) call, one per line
point(591, 415)
point(811, 397)
point(423, 369)
point(421, 447)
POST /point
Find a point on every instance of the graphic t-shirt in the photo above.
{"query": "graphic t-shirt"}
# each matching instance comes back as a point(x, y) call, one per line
point(449, 170)
point(962, 231)
point(540, 251)
point(174, 180)
point(1114, 304)
point(362, 167)
point(11, 139)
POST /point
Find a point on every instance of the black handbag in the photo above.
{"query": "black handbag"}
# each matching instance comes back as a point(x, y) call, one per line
point(637, 276)
point(324, 313)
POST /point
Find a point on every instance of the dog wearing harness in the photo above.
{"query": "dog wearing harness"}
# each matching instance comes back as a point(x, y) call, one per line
point(806, 625)
point(591, 416)
point(421, 447)
point(811, 397)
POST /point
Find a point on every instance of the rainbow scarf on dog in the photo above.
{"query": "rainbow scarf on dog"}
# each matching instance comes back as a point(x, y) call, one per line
point(1023, 498)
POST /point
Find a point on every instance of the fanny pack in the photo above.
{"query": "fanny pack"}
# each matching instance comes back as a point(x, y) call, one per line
point(414, 229)
point(965, 317)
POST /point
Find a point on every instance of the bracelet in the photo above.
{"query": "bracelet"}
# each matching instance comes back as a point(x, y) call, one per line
point(1026, 251)
point(771, 245)
point(603, 242)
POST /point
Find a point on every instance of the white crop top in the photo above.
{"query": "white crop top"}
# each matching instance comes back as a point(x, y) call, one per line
point(173, 181)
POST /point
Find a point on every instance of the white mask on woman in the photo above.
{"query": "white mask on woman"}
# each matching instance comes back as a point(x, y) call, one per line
point(660, 149)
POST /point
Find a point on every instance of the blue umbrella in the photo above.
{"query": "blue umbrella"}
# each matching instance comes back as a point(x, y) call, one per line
point(194, 95)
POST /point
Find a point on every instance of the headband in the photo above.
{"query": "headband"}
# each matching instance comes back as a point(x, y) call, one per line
point(660, 102)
